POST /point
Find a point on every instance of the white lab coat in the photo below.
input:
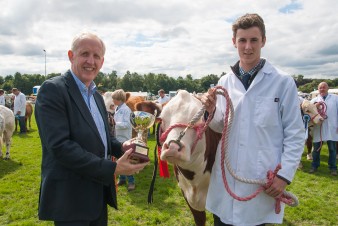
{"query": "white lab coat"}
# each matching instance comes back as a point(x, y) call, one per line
point(163, 100)
point(2, 100)
point(267, 129)
point(20, 104)
point(123, 128)
point(330, 125)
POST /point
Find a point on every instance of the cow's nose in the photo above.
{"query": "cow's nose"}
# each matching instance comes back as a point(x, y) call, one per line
point(165, 146)
point(175, 145)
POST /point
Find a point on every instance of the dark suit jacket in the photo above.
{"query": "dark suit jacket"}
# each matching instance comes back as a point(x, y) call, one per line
point(75, 177)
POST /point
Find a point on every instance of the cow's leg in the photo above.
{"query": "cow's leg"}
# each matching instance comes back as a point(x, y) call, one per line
point(1, 146)
point(309, 146)
point(200, 217)
point(29, 120)
point(7, 140)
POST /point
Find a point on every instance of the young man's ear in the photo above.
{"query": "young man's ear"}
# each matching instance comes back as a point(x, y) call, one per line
point(263, 42)
point(234, 42)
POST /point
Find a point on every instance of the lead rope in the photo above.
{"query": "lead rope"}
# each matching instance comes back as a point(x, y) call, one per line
point(287, 197)
point(321, 112)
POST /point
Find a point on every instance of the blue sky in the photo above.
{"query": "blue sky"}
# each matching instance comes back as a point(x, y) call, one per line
point(176, 37)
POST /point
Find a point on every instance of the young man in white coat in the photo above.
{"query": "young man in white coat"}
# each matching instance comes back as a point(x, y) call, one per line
point(267, 130)
point(327, 131)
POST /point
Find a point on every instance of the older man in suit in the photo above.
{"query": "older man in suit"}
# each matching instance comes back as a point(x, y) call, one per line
point(77, 178)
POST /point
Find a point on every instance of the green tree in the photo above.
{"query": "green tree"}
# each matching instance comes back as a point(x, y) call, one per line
point(111, 80)
point(150, 81)
point(164, 82)
point(131, 82)
point(2, 81)
point(206, 81)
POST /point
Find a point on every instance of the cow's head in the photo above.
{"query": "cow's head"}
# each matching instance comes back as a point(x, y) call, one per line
point(131, 101)
point(108, 101)
point(178, 112)
point(149, 106)
point(311, 109)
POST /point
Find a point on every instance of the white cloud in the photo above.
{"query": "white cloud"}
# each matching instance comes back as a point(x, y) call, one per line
point(174, 37)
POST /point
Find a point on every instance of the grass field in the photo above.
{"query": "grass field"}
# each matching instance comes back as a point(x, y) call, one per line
point(20, 178)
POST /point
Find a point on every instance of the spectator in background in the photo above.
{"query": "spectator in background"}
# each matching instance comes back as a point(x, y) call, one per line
point(123, 129)
point(328, 130)
point(163, 98)
point(20, 108)
point(2, 97)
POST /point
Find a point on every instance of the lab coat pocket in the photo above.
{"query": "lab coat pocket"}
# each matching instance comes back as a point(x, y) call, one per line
point(266, 111)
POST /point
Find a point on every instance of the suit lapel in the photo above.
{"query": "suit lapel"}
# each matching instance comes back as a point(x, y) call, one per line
point(75, 94)
point(103, 112)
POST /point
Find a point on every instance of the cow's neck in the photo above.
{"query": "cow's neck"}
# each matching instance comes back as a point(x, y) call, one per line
point(212, 139)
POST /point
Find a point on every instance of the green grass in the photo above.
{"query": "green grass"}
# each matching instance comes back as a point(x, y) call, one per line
point(20, 178)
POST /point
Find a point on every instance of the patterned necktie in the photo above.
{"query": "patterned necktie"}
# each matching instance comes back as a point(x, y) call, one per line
point(245, 80)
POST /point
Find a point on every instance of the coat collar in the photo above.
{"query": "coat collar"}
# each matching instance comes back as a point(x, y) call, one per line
point(265, 71)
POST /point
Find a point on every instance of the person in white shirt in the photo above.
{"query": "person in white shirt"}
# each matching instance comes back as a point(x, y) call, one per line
point(267, 130)
point(327, 131)
point(123, 129)
point(20, 108)
point(2, 98)
point(163, 98)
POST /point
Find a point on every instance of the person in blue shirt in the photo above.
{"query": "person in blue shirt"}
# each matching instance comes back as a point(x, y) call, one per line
point(77, 171)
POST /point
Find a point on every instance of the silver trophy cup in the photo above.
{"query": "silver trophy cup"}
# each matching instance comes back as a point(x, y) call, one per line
point(141, 121)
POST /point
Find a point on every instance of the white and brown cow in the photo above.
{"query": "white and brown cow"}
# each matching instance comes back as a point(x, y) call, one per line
point(108, 101)
point(192, 163)
point(6, 129)
point(315, 118)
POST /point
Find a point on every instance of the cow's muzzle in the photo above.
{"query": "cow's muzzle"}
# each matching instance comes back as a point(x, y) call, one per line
point(177, 142)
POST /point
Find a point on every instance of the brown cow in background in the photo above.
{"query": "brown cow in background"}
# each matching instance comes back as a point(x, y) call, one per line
point(28, 116)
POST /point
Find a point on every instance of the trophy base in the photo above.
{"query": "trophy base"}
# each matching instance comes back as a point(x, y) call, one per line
point(139, 154)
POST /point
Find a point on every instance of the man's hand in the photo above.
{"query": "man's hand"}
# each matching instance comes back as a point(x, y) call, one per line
point(209, 100)
point(277, 187)
point(125, 167)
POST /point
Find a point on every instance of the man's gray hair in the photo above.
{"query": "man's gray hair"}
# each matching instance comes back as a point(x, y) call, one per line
point(85, 35)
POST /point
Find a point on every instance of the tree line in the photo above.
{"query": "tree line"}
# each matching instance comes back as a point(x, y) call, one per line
point(151, 82)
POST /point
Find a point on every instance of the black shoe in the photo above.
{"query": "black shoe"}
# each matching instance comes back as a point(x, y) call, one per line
point(131, 187)
point(333, 172)
point(313, 170)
